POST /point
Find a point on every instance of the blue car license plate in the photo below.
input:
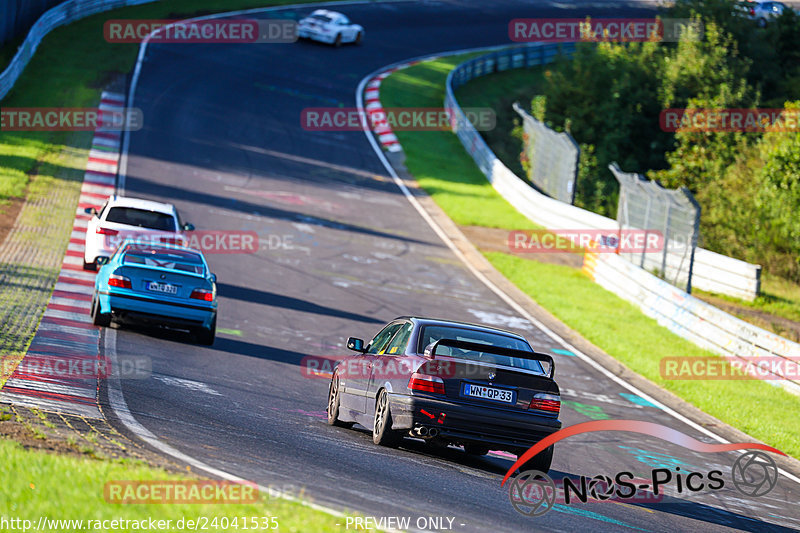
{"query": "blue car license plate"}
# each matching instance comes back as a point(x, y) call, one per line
point(164, 288)
point(488, 393)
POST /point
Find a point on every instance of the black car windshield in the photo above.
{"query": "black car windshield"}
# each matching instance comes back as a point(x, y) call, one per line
point(141, 218)
point(184, 260)
point(321, 18)
point(431, 334)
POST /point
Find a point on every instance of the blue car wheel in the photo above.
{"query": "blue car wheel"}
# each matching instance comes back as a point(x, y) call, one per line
point(99, 319)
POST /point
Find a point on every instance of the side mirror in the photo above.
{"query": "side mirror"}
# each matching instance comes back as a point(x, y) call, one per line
point(357, 345)
point(90, 211)
point(102, 260)
point(213, 278)
point(188, 227)
point(428, 353)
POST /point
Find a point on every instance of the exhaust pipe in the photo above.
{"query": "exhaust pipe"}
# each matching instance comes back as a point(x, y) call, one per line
point(433, 432)
point(422, 431)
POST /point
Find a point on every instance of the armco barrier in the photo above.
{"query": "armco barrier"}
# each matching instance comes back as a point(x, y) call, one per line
point(691, 318)
point(64, 13)
point(711, 272)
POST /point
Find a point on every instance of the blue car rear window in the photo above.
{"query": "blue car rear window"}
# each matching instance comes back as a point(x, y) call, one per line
point(182, 260)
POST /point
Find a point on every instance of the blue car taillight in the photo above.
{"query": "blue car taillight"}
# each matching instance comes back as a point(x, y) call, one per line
point(202, 294)
point(123, 282)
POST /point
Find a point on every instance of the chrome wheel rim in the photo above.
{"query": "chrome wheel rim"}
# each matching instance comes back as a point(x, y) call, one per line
point(380, 418)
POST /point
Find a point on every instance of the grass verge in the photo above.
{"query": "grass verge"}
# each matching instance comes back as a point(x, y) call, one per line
point(70, 68)
point(777, 309)
point(59, 487)
point(444, 169)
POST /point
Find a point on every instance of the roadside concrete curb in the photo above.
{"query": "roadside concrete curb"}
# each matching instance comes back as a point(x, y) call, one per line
point(52, 376)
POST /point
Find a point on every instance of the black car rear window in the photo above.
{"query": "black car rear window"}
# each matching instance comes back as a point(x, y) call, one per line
point(431, 334)
point(141, 218)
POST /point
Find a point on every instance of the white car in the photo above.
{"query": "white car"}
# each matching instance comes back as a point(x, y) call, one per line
point(329, 27)
point(122, 218)
point(762, 11)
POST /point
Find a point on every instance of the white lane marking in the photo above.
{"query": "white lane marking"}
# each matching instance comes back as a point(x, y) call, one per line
point(197, 386)
point(494, 288)
point(303, 228)
point(116, 398)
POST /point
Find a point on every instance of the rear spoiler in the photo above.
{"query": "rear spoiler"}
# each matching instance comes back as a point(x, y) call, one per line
point(430, 351)
point(163, 269)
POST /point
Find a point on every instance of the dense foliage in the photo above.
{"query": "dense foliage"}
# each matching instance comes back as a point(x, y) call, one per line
point(609, 96)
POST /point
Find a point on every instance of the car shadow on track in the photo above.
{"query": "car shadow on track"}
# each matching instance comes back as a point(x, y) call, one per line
point(161, 190)
point(248, 294)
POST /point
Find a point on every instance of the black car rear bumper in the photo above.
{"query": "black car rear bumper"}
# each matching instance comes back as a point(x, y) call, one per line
point(469, 423)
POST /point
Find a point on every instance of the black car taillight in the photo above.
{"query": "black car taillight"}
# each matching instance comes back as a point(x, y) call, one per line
point(425, 383)
point(550, 403)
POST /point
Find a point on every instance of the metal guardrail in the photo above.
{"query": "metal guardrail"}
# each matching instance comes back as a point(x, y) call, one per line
point(711, 271)
point(695, 320)
point(553, 158)
point(646, 205)
point(62, 14)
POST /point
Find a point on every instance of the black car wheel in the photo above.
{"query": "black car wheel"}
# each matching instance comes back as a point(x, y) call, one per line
point(476, 449)
point(90, 266)
point(338, 42)
point(333, 404)
point(99, 319)
point(359, 36)
point(541, 462)
point(382, 432)
point(206, 336)
point(762, 22)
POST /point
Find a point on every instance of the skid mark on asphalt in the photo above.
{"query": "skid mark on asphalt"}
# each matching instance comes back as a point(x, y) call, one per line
point(196, 386)
point(501, 320)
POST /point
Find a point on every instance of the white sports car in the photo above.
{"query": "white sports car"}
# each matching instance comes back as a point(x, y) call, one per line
point(329, 27)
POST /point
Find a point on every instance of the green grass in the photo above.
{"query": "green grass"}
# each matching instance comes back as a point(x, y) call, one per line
point(455, 183)
point(779, 297)
point(623, 331)
point(61, 487)
point(448, 174)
